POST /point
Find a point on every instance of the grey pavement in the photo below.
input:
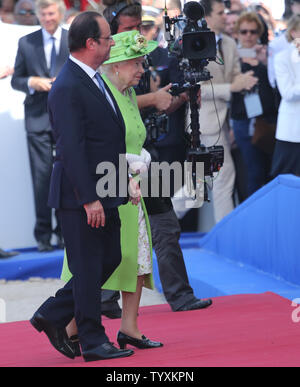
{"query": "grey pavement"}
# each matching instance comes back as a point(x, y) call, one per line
point(22, 298)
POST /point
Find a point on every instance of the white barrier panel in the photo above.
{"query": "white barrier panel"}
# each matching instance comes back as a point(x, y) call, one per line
point(2, 311)
point(16, 196)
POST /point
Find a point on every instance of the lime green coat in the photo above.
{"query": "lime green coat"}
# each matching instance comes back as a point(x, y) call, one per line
point(125, 276)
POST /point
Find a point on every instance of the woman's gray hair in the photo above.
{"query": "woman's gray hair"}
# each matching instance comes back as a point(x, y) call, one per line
point(293, 25)
point(107, 68)
point(41, 4)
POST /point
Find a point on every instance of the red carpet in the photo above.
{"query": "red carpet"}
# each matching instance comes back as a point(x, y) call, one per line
point(243, 330)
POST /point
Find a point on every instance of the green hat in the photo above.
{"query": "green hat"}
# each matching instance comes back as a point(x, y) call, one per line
point(130, 45)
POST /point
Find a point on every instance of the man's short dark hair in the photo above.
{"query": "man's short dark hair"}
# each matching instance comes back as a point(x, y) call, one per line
point(84, 26)
point(208, 5)
point(114, 10)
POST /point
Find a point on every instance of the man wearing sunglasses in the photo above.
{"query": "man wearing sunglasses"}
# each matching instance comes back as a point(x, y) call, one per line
point(24, 13)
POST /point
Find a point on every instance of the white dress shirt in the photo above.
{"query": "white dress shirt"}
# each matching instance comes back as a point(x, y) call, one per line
point(48, 43)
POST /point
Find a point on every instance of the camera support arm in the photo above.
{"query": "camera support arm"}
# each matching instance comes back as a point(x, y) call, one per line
point(195, 126)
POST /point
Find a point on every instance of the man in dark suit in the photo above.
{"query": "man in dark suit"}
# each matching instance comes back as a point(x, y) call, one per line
point(39, 59)
point(89, 130)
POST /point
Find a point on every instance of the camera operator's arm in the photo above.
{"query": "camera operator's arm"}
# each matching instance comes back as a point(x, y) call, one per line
point(176, 76)
point(160, 99)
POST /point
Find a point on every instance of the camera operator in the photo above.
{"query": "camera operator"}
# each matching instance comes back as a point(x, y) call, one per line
point(165, 228)
point(227, 79)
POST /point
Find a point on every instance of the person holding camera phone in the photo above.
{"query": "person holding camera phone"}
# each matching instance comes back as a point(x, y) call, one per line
point(259, 102)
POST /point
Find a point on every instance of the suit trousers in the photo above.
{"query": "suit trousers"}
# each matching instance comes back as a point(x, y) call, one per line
point(40, 147)
point(93, 255)
point(165, 231)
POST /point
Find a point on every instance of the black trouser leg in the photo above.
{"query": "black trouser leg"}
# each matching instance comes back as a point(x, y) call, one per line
point(40, 147)
point(172, 271)
point(109, 300)
point(93, 255)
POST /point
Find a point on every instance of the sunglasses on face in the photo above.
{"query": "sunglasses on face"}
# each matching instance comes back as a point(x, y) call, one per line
point(245, 32)
point(24, 12)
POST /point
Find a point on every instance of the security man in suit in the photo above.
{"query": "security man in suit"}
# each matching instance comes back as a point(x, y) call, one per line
point(40, 57)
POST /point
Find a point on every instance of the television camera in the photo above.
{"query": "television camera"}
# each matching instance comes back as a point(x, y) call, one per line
point(194, 44)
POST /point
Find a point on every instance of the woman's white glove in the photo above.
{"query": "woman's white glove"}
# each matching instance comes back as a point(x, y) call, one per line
point(147, 157)
point(139, 164)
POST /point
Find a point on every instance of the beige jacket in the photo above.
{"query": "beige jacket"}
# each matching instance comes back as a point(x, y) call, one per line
point(223, 75)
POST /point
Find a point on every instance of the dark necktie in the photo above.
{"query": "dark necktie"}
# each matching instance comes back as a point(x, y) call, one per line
point(100, 82)
point(53, 59)
point(220, 48)
point(102, 88)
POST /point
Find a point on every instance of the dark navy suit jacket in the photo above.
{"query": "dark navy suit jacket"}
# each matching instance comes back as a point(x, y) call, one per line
point(87, 132)
point(31, 61)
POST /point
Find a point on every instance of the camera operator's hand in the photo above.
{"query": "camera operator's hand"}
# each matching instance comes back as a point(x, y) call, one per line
point(163, 98)
point(177, 102)
point(160, 99)
point(245, 81)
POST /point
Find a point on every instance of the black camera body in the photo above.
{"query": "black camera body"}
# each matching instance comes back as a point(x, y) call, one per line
point(199, 45)
point(212, 158)
point(195, 48)
point(156, 126)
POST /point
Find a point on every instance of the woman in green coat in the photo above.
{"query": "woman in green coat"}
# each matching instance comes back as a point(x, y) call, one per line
point(122, 71)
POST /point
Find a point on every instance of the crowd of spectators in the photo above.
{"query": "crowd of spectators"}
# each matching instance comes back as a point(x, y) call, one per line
point(265, 77)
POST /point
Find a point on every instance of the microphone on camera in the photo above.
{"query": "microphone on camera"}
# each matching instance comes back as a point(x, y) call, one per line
point(167, 29)
point(193, 10)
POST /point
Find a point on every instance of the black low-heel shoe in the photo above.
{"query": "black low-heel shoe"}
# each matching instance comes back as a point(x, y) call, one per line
point(143, 343)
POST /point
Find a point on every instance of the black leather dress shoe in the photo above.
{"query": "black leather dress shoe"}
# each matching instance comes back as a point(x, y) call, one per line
point(44, 247)
point(75, 341)
point(7, 254)
point(58, 337)
point(104, 352)
point(112, 314)
point(196, 304)
point(143, 343)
